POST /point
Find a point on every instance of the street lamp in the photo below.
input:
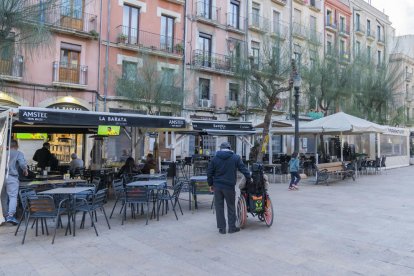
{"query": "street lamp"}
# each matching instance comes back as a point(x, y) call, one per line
point(297, 82)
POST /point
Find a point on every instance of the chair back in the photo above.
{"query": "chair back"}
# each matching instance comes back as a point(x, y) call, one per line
point(100, 198)
point(96, 181)
point(136, 194)
point(42, 205)
point(24, 194)
point(177, 189)
point(88, 194)
point(118, 186)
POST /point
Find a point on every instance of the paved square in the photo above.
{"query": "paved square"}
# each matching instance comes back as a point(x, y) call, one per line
point(347, 228)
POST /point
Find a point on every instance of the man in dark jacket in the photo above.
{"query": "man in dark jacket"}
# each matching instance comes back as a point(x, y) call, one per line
point(43, 156)
point(222, 175)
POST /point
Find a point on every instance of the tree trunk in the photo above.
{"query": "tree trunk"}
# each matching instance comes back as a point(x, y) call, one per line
point(266, 127)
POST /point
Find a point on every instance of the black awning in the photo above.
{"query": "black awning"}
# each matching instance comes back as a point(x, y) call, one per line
point(222, 125)
point(44, 116)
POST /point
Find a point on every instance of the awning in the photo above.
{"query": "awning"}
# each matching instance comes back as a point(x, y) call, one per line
point(52, 117)
point(222, 125)
point(215, 132)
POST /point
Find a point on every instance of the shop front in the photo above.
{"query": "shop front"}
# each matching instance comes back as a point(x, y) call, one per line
point(394, 144)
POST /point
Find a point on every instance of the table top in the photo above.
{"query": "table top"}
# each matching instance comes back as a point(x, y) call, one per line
point(272, 165)
point(68, 190)
point(51, 182)
point(149, 176)
point(148, 183)
point(48, 176)
point(198, 178)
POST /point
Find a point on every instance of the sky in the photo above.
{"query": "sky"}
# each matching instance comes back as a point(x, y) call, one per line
point(400, 13)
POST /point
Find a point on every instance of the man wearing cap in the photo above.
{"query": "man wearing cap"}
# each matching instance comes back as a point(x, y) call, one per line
point(222, 177)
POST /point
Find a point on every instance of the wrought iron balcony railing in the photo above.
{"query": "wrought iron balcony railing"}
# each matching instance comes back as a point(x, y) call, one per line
point(207, 11)
point(236, 21)
point(408, 76)
point(370, 34)
point(381, 39)
point(149, 41)
point(359, 29)
point(214, 61)
point(299, 30)
point(280, 29)
point(12, 67)
point(315, 37)
point(330, 24)
point(64, 72)
point(259, 23)
point(345, 56)
point(344, 30)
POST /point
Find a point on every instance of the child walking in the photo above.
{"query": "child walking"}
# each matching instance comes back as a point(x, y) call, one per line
point(294, 172)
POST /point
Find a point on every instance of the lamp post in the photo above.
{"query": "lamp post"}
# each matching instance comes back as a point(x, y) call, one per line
point(297, 82)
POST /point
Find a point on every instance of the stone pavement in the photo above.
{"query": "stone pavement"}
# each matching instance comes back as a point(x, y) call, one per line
point(347, 228)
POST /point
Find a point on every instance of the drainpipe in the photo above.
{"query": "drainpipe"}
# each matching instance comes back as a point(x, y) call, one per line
point(99, 50)
point(291, 53)
point(107, 54)
point(246, 54)
point(184, 55)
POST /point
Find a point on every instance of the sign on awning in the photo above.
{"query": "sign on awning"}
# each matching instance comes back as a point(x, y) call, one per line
point(87, 118)
point(221, 125)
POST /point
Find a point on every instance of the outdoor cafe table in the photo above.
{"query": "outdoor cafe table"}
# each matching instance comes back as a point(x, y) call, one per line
point(149, 176)
point(71, 192)
point(49, 176)
point(150, 183)
point(273, 167)
point(36, 183)
point(198, 185)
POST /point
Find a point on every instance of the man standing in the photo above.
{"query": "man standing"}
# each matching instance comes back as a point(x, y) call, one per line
point(42, 156)
point(12, 181)
point(222, 175)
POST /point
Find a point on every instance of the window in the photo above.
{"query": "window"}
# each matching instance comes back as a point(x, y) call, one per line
point(358, 48)
point(342, 47)
point(358, 22)
point(234, 16)
point(204, 46)
point(276, 22)
point(204, 88)
point(342, 24)
point(368, 27)
point(312, 58)
point(256, 52)
point(312, 24)
point(168, 76)
point(379, 57)
point(234, 92)
point(129, 70)
point(329, 48)
point(130, 21)
point(329, 18)
point(379, 33)
point(369, 52)
point(69, 67)
point(205, 9)
point(276, 57)
point(167, 33)
point(297, 17)
point(72, 8)
point(297, 51)
point(256, 14)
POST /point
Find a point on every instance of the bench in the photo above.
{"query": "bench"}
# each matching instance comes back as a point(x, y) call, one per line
point(325, 170)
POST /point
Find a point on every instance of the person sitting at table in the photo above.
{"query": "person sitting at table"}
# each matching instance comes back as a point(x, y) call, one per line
point(149, 165)
point(129, 167)
point(75, 164)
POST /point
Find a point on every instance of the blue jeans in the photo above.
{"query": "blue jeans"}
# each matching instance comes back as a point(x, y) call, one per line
point(9, 199)
point(294, 178)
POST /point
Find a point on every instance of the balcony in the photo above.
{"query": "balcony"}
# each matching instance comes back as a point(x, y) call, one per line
point(71, 21)
point(345, 57)
point(207, 103)
point(330, 25)
point(259, 23)
point(280, 2)
point(381, 40)
point(370, 35)
point(359, 29)
point(180, 2)
point(408, 76)
point(70, 75)
point(302, 2)
point(299, 31)
point(212, 62)
point(344, 31)
point(315, 5)
point(315, 37)
point(236, 23)
point(134, 39)
point(207, 13)
point(11, 69)
point(280, 30)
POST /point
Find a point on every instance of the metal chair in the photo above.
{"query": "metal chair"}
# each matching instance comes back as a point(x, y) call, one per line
point(42, 207)
point(119, 191)
point(135, 196)
point(24, 194)
point(165, 196)
point(98, 202)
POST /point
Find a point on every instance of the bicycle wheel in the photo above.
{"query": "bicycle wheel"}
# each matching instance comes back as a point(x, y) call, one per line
point(241, 211)
point(268, 213)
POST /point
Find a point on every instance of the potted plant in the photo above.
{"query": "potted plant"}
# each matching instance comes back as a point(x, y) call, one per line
point(179, 48)
point(122, 38)
point(94, 34)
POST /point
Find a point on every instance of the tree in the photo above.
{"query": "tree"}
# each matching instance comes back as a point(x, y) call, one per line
point(22, 23)
point(146, 86)
point(268, 74)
